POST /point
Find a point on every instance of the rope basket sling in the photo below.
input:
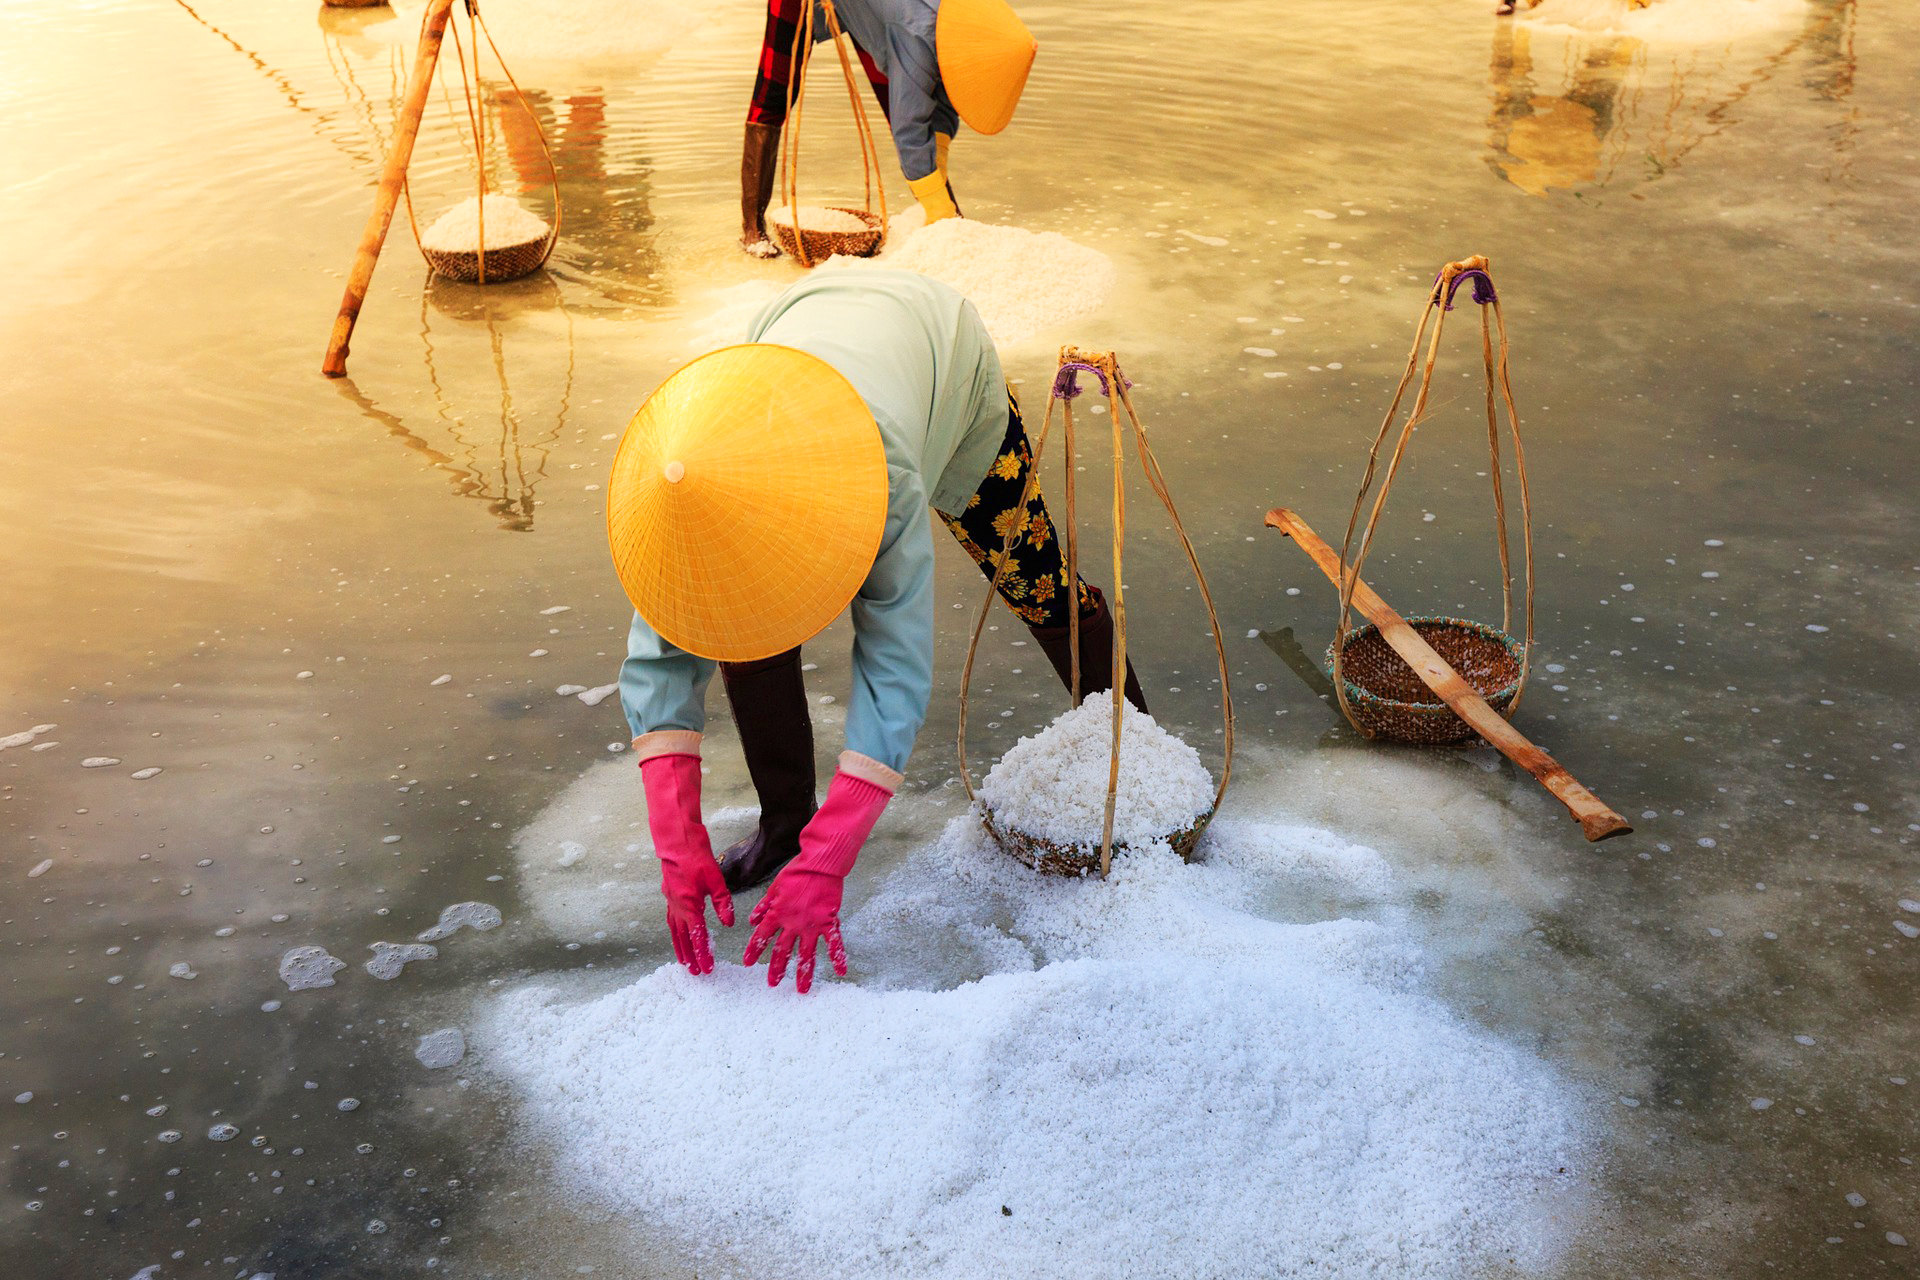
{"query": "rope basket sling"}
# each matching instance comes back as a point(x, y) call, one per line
point(1049, 856)
point(1378, 692)
point(488, 263)
point(809, 245)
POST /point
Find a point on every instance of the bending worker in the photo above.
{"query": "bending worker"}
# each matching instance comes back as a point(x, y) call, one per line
point(760, 491)
point(932, 63)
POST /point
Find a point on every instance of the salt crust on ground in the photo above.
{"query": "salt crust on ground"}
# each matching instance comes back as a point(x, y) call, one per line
point(1672, 21)
point(458, 229)
point(1021, 282)
point(1153, 1074)
point(1054, 784)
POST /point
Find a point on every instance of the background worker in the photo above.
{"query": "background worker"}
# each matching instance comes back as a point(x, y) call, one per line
point(761, 490)
point(932, 63)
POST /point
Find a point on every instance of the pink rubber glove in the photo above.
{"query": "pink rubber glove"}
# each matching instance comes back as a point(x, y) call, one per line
point(688, 873)
point(803, 904)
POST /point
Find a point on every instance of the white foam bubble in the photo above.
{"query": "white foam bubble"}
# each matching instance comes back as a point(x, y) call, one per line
point(306, 968)
point(442, 1048)
point(478, 916)
point(390, 958)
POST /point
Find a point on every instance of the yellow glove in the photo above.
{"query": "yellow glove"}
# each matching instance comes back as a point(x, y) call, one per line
point(942, 143)
point(931, 192)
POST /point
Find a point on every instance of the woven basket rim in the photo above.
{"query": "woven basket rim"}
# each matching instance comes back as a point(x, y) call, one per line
point(789, 236)
point(1506, 693)
point(1182, 841)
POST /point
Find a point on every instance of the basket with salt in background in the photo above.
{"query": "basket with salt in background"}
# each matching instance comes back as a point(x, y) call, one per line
point(1380, 694)
point(1104, 777)
point(488, 238)
point(810, 233)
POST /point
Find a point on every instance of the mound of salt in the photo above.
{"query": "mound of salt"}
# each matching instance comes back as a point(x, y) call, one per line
point(458, 229)
point(1021, 282)
point(816, 218)
point(1033, 1077)
point(1054, 784)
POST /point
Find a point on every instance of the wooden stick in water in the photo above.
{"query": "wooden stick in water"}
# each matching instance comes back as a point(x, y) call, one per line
point(433, 26)
point(1596, 820)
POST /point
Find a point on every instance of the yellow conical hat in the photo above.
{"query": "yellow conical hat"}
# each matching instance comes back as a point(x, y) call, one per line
point(985, 52)
point(747, 501)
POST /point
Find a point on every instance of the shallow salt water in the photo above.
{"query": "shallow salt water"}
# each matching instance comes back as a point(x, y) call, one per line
point(333, 618)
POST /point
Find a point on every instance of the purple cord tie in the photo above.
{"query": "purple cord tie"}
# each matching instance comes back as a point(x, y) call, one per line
point(1482, 287)
point(1066, 383)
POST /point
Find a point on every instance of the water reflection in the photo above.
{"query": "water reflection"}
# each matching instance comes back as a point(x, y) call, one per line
point(1578, 111)
point(491, 451)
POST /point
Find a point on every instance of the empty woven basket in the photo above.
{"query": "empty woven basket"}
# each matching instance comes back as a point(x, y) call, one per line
point(1388, 698)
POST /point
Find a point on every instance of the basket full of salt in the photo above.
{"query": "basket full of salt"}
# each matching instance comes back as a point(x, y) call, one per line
point(1104, 777)
point(513, 241)
point(815, 233)
point(1045, 801)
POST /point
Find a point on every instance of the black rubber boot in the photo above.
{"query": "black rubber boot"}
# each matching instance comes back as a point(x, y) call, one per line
point(1096, 653)
point(759, 156)
point(769, 700)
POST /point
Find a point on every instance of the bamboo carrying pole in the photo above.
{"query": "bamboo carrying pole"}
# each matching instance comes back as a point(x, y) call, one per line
point(1596, 820)
point(433, 26)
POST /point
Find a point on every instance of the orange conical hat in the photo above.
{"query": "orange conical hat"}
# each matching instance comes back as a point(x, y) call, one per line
point(985, 52)
point(747, 501)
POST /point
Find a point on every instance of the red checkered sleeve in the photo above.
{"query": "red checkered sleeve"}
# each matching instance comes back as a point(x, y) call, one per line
point(769, 102)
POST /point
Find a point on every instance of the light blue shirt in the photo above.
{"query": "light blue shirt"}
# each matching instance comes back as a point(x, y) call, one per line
point(918, 355)
point(899, 36)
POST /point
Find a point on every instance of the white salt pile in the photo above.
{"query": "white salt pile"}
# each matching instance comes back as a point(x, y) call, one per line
point(458, 229)
point(1054, 784)
point(1671, 21)
point(307, 968)
point(1021, 282)
point(816, 218)
point(1037, 1077)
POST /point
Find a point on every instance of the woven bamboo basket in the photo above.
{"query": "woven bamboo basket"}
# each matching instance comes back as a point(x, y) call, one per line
point(504, 262)
point(811, 246)
point(1095, 857)
point(806, 247)
point(1052, 858)
point(1390, 700)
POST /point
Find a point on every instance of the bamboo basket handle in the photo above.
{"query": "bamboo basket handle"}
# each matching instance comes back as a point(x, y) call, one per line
point(871, 175)
point(1438, 303)
point(1150, 464)
point(993, 588)
point(533, 118)
point(1114, 386)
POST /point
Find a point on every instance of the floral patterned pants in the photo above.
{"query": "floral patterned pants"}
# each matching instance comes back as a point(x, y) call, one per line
point(1035, 584)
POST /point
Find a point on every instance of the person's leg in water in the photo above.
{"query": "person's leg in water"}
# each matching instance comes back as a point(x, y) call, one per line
point(767, 115)
point(1035, 583)
point(769, 701)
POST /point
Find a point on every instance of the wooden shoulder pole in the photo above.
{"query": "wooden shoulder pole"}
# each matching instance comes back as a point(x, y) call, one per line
point(1597, 821)
point(433, 26)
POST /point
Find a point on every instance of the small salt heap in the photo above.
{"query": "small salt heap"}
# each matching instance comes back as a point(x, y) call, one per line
point(815, 218)
point(458, 229)
point(1054, 784)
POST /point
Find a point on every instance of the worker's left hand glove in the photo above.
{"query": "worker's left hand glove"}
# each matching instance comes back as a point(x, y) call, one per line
point(803, 905)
